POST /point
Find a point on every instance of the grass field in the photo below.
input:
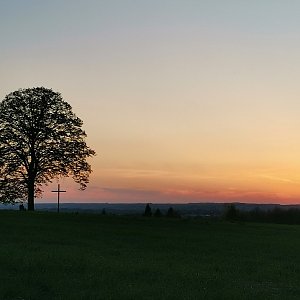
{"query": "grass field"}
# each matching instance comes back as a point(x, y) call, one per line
point(69, 256)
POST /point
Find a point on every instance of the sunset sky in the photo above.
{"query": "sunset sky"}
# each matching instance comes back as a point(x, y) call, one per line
point(183, 101)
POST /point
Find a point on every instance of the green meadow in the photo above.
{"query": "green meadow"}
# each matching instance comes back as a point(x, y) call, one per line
point(85, 256)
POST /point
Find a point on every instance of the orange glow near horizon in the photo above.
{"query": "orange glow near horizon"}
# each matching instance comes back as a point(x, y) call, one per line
point(248, 185)
point(183, 101)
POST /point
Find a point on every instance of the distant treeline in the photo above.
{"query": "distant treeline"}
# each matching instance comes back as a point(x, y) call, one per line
point(171, 213)
point(275, 215)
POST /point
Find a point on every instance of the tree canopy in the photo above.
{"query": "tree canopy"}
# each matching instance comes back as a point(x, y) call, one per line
point(40, 139)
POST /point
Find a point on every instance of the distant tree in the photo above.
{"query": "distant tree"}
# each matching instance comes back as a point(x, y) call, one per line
point(40, 139)
point(148, 211)
point(157, 213)
point(171, 213)
point(231, 213)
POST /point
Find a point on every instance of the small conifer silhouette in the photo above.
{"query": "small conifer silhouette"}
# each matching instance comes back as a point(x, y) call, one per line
point(157, 213)
point(148, 211)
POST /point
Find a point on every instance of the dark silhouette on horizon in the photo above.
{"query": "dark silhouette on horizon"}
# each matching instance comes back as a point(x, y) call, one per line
point(171, 213)
point(148, 211)
point(281, 215)
point(157, 213)
point(40, 139)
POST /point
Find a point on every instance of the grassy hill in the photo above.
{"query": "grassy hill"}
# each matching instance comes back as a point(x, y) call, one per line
point(88, 256)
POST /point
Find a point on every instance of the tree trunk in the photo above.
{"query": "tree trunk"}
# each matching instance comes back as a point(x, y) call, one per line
point(30, 199)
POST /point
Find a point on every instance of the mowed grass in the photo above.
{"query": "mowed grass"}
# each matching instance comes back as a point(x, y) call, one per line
point(83, 256)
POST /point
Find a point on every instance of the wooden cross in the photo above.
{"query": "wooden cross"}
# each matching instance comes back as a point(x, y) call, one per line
point(58, 193)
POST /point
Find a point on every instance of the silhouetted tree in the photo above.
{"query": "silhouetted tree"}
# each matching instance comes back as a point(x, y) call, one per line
point(231, 213)
point(157, 213)
point(148, 211)
point(40, 139)
point(171, 213)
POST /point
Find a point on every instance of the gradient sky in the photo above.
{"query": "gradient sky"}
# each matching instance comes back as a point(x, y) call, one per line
point(183, 101)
